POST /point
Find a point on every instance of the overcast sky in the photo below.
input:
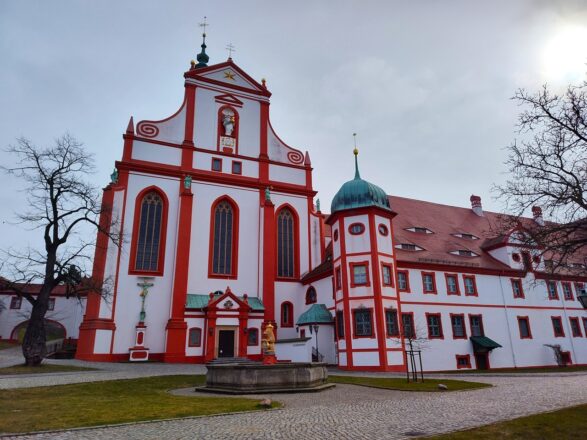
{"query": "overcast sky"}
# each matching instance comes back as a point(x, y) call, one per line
point(425, 84)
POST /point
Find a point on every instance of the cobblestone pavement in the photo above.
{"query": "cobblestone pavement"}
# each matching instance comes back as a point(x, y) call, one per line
point(352, 412)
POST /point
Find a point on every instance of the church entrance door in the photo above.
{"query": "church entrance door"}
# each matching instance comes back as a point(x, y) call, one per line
point(226, 343)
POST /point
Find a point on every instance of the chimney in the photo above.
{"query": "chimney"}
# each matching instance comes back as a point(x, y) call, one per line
point(476, 205)
point(537, 215)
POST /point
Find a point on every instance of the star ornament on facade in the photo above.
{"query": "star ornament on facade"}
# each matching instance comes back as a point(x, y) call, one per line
point(229, 75)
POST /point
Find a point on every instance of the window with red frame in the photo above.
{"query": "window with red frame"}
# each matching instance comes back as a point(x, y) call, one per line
point(552, 291)
point(524, 327)
point(585, 326)
point(195, 337)
point(338, 279)
point(340, 324)
point(387, 275)
point(557, 327)
point(575, 328)
point(363, 323)
point(470, 285)
point(383, 230)
point(357, 228)
point(391, 322)
point(15, 303)
point(237, 167)
point(216, 164)
point(580, 288)
point(223, 239)
point(452, 284)
point(459, 331)
point(434, 326)
point(463, 361)
point(286, 252)
point(335, 235)
point(517, 288)
point(408, 328)
point(311, 296)
point(51, 304)
point(476, 323)
point(403, 281)
point(253, 337)
point(149, 234)
point(359, 274)
point(428, 282)
point(567, 291)
point(286, 314)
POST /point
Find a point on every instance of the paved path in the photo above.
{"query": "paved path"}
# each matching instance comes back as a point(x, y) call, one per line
point(352, 412)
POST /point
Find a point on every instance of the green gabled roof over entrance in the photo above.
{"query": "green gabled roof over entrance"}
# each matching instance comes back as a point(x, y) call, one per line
point(484, 343)
point(194, 301)
point(317, 314)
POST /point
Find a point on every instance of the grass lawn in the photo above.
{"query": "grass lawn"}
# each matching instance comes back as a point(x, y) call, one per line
point(43, 368)
point(568, 424)
point(4, 344)
point(568, 369)
point(108, 402)
point(396, 383)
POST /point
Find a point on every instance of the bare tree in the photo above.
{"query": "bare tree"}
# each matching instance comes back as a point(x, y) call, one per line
point(548, 169)
point(62, 204)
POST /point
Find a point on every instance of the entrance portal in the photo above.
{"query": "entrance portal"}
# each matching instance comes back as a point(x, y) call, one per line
point(225, 343)
point(482, 361)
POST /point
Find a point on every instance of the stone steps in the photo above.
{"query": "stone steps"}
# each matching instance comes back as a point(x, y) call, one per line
point(233, 360)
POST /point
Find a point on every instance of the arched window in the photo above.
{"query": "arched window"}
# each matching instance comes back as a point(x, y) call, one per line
point(311, 296)
point(287, 314)
point(286, 244)
point(149, 231)
point(224, 239)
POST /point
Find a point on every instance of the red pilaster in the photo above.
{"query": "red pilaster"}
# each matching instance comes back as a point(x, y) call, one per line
point(263, 154)
point(269, 251)
point(176, 326)
point(347, 312)
point(243, 319)
point(190, 98)
point(210, 332)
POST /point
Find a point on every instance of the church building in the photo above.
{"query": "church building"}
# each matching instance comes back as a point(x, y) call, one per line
point(223, 235)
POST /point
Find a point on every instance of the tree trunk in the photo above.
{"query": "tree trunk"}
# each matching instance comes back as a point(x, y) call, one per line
point(34, 347)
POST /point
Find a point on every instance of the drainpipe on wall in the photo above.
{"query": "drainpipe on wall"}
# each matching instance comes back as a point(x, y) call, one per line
point(507, 320)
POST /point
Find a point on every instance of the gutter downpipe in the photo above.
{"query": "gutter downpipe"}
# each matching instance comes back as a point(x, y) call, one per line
point(507, 320)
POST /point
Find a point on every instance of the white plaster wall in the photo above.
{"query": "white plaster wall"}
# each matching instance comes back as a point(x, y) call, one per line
point(357, 243)
point(170, 130)
point(203, 161)
point(161, 154)
point(315, 241)
point(336, 243)
point(238, 80)
point(384, 243)
point(206, 119)
point(255, 323)
point(199, 323)
point(299, 351)
point(295, 176)
point(102, 342)
point(365, 359)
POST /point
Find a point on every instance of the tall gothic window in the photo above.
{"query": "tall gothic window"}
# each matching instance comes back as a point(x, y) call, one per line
point(149, 236)
point(285, 244)
point(223, 243)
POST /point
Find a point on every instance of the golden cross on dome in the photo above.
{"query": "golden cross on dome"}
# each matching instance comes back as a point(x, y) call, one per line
point(229, 75)
point(230, 48)
point(203, 25)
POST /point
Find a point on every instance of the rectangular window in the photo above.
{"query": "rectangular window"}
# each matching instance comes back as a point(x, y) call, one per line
point(339, 324)
point(580, 288)
point(434, 326)
point(360, 276)
point(428, 282)
point(216, 164)
point(575, 328)
point(403, 281)
point(476, 322)
point(237, 167)
point(15, 302)
point(51, 304)
point(409, 330)
point(391, 322)
point(387, 275)
point(557, 327)
point(458, 326)
point(470, 285)
point(524, 326)
point(463, 361)
point(338, 279)
point(552, 292)
point(253, 337)
point(452, 284)
point(517, 288)
point(585, 326)
point(195, 337)
point(363, 324)
point(567, 291)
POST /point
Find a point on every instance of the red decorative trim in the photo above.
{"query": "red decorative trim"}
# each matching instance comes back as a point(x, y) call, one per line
point(352, 266)
point(382, 229)
point(406, 273)
point(470, 277)
point(462, 315)
point(197, 75)
point(357, 336)
point(434, 290)
point(495, 306)
point(216, 160)
point(199, 340)
point(289, 321)
point(524, 318)
point(390, 267)
point(229, 99)
point(235, 239)
point(335, 235)
point(518, 282)
point(456, 268)
point(234, 162)
point(430, 335)
point(220, 127)
point(466, 357)
point(135, 233)
point(296, 231)
point(360, 227)
point(456, 278)
point(269, 260)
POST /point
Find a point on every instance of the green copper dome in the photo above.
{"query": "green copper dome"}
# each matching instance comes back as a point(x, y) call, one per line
point(359, 193)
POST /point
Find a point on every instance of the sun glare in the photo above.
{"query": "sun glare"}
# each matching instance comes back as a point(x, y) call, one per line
point(565, 55)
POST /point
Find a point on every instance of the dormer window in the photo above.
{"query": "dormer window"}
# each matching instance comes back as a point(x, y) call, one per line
point(464, 253)
point(466, 236)
point(408, 247)
point(420, 230)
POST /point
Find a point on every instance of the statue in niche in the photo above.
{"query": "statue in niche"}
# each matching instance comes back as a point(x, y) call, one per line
point(228, 121)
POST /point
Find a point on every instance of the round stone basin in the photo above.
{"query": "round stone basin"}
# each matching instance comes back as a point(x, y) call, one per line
point(258, 378)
